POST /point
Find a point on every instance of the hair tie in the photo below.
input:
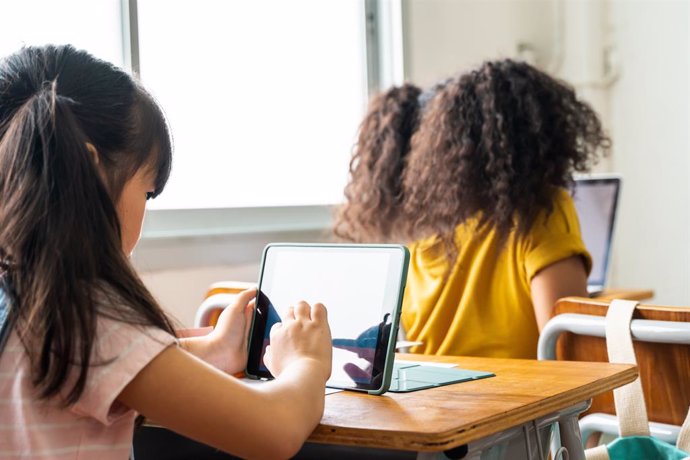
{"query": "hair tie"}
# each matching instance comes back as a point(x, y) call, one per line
point(429, 93)
point(424, 97)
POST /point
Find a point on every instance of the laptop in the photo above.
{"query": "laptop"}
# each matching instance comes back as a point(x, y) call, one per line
point(362, 287)
point(596, 201)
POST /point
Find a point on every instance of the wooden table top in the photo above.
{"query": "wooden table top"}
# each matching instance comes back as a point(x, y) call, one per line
point(628, 294)
point(450, 416)
point(233, 287)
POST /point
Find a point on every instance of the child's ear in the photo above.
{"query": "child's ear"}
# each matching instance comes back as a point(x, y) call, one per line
point(97, 162)
point(94, 153)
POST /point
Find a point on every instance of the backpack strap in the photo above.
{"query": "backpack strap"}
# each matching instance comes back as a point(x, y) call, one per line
point(597, 453)
point(629, 399)
point(683, 442)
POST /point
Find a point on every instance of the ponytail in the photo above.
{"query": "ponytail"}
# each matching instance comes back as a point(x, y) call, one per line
point(60, 243)
point(374, 194)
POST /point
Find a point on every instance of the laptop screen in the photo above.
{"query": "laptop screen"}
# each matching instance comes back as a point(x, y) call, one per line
point(596, 200)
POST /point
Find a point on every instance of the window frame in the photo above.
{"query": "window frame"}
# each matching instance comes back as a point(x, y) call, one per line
point(169, 229)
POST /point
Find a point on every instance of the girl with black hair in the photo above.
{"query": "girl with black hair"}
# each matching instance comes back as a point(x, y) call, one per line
point(474, 174)
point(82, 147)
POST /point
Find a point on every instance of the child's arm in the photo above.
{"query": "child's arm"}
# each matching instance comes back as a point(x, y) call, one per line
point(272, 420)
point(565, 278)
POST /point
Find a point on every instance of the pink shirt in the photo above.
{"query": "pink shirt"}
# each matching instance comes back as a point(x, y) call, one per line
point(96, 426)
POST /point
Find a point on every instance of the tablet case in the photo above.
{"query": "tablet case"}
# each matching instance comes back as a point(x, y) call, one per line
point(409, 377)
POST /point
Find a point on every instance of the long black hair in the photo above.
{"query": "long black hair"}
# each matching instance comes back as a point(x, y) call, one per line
point(60, 237)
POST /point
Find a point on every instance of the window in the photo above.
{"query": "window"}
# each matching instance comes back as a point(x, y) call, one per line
point(263, 97)
point(93, 26)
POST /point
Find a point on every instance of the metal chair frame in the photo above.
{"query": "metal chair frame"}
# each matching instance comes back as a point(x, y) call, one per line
point(671, 332)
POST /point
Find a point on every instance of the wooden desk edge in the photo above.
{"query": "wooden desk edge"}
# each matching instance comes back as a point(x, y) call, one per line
point(627, 294)
point(326, 434)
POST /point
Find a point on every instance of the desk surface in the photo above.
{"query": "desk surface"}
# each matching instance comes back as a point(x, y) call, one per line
point(446, 417)
point(628, 294)
point(232, 287)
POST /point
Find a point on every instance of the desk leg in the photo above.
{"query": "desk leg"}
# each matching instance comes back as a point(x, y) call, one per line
point(571, 438)
point(513, 443)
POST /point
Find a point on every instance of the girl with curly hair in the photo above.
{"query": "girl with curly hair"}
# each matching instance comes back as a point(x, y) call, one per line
point(474, 173)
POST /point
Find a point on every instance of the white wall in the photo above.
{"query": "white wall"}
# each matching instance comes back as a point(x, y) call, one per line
point(181, 291)
point(650, 124)
point(179, 270)
point(443, 37)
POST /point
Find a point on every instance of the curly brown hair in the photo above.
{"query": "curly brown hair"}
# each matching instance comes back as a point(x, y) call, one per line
point(494, 144)
point(374, 193)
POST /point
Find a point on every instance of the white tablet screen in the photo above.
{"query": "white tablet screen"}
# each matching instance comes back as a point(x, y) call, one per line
point(361, 287)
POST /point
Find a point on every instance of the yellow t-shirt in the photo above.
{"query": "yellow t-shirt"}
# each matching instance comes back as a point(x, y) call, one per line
point(483, 307)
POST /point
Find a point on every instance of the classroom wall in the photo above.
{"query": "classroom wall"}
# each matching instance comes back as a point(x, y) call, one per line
point(179, 270)
point(181, 291)
point(629, 59)
point(443, 37)
point(650, 125)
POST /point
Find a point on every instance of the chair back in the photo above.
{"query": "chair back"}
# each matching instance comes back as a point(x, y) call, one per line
point(664, 367)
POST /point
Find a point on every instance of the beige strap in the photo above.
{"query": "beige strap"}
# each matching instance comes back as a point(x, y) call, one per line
point(597, 453)
point(683, 442)
point(629, 399)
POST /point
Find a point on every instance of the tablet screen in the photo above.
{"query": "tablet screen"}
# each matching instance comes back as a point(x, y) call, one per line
point(361, 287)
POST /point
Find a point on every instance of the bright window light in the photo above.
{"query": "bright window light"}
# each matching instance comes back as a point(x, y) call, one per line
point(95, 26)
point(263, 97)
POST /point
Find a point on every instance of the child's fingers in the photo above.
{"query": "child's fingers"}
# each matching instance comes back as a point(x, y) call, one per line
point(290, 313)
point(238, 306)
point(319, 313)
point(274, 330)
point(248, 312)
point(244, 297)
point(302, 310)
point(249, 309)
point(267, 357)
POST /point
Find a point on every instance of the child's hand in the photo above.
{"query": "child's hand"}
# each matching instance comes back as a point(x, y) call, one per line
point(228, 346)
point(303, 335)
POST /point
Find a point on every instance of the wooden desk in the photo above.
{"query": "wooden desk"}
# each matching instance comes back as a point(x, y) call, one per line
point(444, 418)
point(524, 397)
point(627, 294)
point(233, 287)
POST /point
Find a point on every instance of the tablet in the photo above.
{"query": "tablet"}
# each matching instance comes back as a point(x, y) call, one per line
point(362, 289)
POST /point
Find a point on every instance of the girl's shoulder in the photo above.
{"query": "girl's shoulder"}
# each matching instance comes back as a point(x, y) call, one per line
point(562, 196)
point(557, 221)
point(563, 205)
point(561, 209)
